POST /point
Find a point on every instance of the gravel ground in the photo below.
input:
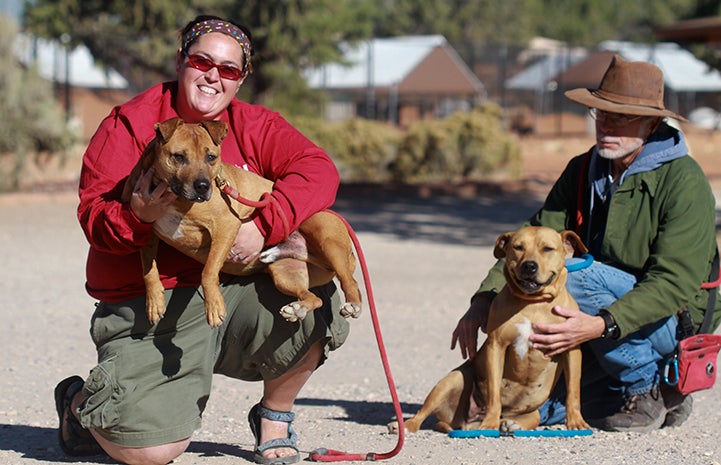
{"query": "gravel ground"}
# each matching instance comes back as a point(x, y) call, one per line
point(425, 254)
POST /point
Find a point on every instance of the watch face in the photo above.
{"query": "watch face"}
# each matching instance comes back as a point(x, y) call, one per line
point(611, 330)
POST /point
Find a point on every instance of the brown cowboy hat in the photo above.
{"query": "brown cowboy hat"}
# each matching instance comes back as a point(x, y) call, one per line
point(629, 88)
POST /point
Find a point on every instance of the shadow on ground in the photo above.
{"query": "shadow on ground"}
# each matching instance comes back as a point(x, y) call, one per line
point(362, 412)
point(473, 214)
point(39, 443)
point(216, 449)
point(469, 214)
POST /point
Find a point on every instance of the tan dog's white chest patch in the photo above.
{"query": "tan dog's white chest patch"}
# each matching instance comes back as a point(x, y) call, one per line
point(169, 224)
point(521, 344)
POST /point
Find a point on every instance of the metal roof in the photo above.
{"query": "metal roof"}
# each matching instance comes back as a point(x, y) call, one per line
point(544, 70)
point(682, 71)
point(378, 62)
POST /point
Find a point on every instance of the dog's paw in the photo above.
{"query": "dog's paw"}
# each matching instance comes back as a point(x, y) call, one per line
point(214, 313)
point(350, 310)
point(294, 311)
point(215, 320)
point(154, 316)
point(393, 427)
point(577, 423)
point(269, 255)
point(490, 424)
point(155, 310)
point(508, 426)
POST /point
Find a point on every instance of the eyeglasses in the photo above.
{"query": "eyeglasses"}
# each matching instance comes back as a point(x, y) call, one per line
point(614, 119)
point(204, 64)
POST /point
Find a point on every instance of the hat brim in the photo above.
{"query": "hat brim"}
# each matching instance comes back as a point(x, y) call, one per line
point(588, 98)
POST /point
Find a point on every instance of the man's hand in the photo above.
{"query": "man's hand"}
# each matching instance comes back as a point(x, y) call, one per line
point(555, 338)
point(466, 332)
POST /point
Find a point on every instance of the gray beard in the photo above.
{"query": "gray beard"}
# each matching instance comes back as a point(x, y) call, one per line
point(610, 154)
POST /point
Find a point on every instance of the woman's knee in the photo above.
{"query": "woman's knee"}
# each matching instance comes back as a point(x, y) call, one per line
point(153, 455)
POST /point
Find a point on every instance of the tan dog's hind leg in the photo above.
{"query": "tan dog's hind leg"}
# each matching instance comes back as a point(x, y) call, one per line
point(449, 401)
point(344, 266)
point(445, 397)
point(571, 363)
point(155, 293)
point(324, 243)
point(293, 277)
point(329, 240)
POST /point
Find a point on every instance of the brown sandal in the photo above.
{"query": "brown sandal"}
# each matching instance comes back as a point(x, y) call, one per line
point(79, 442)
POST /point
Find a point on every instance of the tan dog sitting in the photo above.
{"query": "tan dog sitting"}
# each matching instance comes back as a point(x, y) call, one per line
point(507, 381)
point(203, 224)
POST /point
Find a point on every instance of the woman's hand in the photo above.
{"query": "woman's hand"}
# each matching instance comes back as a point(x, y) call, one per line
point(466, 332)
point(148, 203)
point(248, 244)
point(555, 338)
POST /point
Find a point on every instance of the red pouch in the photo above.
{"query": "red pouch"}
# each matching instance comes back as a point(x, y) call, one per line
point(693, 368)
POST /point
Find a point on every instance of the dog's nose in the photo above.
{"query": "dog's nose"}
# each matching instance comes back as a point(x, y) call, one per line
point(201, 186)
point(529, 268)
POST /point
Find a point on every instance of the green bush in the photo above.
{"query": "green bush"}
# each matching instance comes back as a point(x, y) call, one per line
point(361, 149)
point(462, 146)
point(33, 120)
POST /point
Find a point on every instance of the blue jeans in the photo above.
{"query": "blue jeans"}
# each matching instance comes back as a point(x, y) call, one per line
point(632, 364)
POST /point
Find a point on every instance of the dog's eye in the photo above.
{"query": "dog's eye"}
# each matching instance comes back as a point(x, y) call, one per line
point(211, 157)
point(548, 249)
point(179, 158)
point(518, 247)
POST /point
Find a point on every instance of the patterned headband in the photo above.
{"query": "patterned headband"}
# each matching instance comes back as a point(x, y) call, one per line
point(224, 27)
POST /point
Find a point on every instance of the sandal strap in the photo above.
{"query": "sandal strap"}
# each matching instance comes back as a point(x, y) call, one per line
point(289, 442)
point(275, 415)
point(285, 417)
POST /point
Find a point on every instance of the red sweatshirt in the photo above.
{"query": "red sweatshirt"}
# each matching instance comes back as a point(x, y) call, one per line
point(306, 181)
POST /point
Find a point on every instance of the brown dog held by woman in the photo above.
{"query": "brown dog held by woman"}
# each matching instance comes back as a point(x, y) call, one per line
point(203, 223)
point(507, 381)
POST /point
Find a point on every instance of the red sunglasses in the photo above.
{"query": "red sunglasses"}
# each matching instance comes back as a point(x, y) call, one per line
point(204, 64)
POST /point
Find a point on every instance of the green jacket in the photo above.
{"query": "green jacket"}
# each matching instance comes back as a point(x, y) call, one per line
point(660, 227)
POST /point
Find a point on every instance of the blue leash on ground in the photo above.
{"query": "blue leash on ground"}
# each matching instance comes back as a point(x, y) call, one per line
point(534, 433)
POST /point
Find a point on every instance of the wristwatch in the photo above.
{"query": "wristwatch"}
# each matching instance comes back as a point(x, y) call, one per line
point(612, 330)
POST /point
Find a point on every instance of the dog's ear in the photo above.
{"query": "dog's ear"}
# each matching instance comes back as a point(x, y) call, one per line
point(166, 129)
point(217, 130)
point(573, 244)
point(499, 251)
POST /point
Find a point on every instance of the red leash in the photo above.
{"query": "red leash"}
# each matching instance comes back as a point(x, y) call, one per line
point(265, 199)
point(322, 454)
point(330, 455)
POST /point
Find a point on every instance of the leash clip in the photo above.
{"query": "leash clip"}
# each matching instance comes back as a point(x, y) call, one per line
point(671, 368)
point(221, 182)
